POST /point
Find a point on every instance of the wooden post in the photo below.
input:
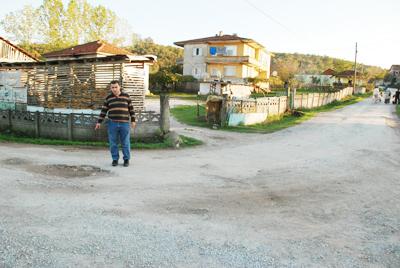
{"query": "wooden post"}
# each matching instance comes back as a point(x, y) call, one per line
point(37, 124)
point(165, 113)
point(223, 112)
point(70, 126)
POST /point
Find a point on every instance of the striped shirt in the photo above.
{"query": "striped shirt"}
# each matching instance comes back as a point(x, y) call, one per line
point(118, 109)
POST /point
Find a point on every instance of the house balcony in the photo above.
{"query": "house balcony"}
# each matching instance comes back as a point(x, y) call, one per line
point(235, 60)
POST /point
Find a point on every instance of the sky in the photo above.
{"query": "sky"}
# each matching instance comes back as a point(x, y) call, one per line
point(327, 28)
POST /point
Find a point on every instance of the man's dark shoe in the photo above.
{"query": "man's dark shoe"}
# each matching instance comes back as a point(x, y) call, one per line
point(126, 163)
point(114, 163)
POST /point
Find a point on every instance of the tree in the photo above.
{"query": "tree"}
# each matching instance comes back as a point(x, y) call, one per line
point(22, 24)
point(166, 55)
point(102, 23)
point(76, 20)
point(59, 26)
point(164, 79)
point(52, 16)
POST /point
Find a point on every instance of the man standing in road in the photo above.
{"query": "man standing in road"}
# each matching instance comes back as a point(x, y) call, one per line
point(118, 106)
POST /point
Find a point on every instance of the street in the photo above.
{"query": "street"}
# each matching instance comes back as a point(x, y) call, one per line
point(321, 194)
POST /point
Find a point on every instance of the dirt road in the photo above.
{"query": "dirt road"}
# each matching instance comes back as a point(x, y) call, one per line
point(322, 194)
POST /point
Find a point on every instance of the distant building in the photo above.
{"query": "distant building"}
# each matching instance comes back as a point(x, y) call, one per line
point(394, 73)
point(227, 57)
point(12, 53)
point(329, 72)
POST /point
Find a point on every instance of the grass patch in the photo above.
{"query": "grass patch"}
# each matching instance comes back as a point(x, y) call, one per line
point(180, 95)
point(189, 141)
point(269, 94)
point(151, 144)
point(398, 110)
point(188, 115)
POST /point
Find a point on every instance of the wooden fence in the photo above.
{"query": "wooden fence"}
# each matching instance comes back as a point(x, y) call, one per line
point(313, 100)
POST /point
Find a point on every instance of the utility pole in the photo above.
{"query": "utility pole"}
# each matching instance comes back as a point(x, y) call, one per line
point(355, 71)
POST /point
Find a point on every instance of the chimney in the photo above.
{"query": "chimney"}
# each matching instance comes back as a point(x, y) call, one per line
point(220, 33)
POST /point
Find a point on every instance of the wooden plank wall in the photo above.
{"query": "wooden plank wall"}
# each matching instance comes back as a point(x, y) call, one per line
point(9, 53)
point(82, 85)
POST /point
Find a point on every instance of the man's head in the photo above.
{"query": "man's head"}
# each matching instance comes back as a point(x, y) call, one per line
point(115, 87)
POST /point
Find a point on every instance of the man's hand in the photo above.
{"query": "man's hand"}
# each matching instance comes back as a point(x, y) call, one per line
point(97, 126)
point(133, 124)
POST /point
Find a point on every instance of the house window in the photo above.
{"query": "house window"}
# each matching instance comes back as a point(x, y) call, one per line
point(230, 70)
point(231, 50)
point(215, 72)
point(197, 51)
point(249, 51)
point(221, 51)
point(196, 71)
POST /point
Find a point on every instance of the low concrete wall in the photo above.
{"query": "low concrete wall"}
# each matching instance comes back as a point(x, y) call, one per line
point(254, 111)
point(236, 119)
point(72, 126)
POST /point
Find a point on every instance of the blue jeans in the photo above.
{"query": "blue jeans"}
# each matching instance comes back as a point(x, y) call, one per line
point(119, 131)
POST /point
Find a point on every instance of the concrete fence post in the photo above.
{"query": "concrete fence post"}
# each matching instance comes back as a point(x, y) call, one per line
point(292, 98)
point(279, 105)
point(70, 126)
point(10, 119)
point(37, 124)
point(165, 113)
point(319, 99)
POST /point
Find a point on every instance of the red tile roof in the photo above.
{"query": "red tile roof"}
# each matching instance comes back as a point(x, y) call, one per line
point(329, 72)
point(216, 38)
point(19, 49)
point(96, 47)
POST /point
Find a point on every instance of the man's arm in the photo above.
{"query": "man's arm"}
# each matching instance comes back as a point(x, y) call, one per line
point(103, 113)
point(131, 113)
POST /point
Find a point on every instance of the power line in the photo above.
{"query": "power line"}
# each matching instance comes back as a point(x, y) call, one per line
point(267, 15)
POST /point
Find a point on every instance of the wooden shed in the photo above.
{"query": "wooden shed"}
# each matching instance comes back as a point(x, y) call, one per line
point(77, 84)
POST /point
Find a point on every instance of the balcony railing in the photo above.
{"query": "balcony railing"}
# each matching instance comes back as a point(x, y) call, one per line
point(234, 59)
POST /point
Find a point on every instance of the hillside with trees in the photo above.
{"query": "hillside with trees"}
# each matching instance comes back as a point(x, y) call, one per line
point(289, 64)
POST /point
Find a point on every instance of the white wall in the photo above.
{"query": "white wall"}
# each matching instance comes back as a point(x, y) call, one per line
point(231, 89)
point(190, 61)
